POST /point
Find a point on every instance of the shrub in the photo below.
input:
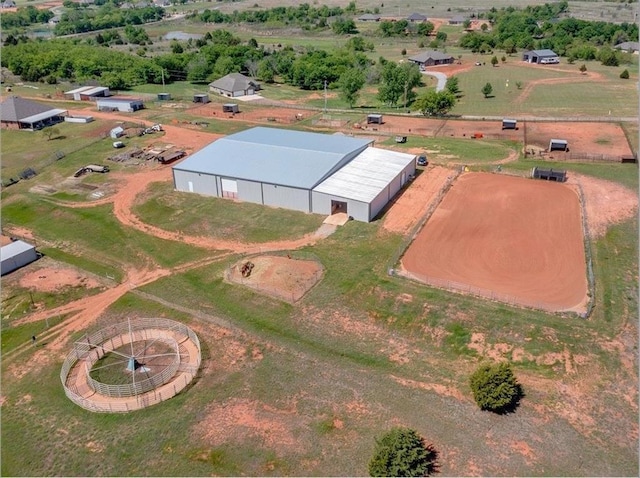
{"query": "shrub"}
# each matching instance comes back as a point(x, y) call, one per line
point(625, 75)
point(402, 452)
point(495, 388)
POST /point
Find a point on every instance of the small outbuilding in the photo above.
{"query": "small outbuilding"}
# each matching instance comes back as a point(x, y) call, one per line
point(509, 124)
point(369, 17)
point(88, 93)
point(164, 96)
point(374, 119)
point(230, 108)
point(558, 145)
point(549, 174)
point(116, 103)
point(116, 132)
point(201, 98)
point(15, 255)
point(542, 57)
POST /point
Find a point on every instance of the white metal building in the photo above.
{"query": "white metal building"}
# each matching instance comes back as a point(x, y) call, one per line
point(115, 103)
point(15, 255)
point(309, 172)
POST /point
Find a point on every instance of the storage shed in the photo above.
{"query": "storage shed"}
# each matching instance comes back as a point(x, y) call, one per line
point(230, 108)
point(15, 255)
point(116, 103)
point(558, 145)
point(201, 98)
point(509, 124)
point(164, 96)
point(374, 119)
point(88, 93)
point(309, 172)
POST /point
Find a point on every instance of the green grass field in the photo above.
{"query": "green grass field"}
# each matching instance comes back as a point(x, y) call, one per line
point(304, 389)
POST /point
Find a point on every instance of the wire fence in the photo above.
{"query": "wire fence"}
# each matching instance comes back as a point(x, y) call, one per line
point(591, 280)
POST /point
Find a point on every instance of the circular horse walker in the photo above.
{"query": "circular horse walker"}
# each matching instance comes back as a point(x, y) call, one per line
point(131, 365)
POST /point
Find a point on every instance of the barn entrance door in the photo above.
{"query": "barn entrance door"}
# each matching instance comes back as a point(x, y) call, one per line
point(229, 188)
point(338, 206)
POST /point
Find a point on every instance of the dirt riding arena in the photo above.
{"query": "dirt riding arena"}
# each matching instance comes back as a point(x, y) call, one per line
point(585, 140)
point(280, 276)
point(508, 238)
point(253, 115)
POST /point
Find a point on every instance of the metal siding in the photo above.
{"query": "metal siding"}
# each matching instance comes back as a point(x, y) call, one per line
point(395, 185)
point(358, 210)
point(321, 203)
point(378, 204)
point(286, 197)
point(205, 184)
point(250, 191)
point(18, 260)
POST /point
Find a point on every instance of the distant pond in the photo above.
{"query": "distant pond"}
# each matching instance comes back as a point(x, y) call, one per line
point(182, 36)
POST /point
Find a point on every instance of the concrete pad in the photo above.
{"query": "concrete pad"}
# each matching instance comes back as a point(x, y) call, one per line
point(339, 219)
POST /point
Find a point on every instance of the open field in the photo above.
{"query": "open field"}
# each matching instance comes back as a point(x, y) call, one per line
point(321, 351)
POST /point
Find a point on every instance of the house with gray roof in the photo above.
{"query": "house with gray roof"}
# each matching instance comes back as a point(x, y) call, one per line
point(431, 58)
point(308, 172)
point(8, 4)
point(541, 57)
point(20, 113)
point(417, 17)
point(457, 20)
point(628, 46)
point(234, 84)
point(369, 17)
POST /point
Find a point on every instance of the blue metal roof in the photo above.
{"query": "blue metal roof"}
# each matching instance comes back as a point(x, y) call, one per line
point(275, 156)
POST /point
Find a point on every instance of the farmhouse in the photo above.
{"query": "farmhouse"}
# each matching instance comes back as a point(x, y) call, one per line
point(369, 17)
point(457, 20)
point(118, 103)
point(234, 84)
point(309, 172)
point(628, 46)
point(87, 93)
point(19, 113)
point(15, 255)
point(416, 17)
point(541, 56)
point(431, 58)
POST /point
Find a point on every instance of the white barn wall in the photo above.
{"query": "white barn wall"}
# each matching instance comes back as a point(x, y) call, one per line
point(201, 183)
point(321, 204)
point(286, 197)
point(378, 203)
point(250, 191)
point(10, 264)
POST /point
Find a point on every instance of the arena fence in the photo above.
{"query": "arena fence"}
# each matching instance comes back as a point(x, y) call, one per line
point(591, 280)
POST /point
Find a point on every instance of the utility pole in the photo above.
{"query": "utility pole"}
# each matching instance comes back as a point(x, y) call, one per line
point(325, 97)
point(162, 79)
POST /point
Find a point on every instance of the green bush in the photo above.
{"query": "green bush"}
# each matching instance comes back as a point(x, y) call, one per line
point(625, 75)
point(495, 388)
point(402, 452)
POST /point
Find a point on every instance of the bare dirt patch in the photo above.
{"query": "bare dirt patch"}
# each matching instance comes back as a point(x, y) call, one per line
point(281, 276)
point(606, 203)
point(407, 208)
point(238, 420)
point(506, 238)
point(267, 114)
point(49, 279)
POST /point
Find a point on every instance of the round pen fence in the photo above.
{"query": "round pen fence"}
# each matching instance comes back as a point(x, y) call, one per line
point(180, 357)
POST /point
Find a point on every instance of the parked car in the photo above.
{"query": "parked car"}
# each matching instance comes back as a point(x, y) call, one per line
point(422, 161)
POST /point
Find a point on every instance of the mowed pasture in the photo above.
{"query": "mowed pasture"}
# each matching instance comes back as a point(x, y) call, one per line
point(304, 389)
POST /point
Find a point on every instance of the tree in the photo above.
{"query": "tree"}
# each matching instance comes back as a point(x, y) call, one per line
point(625, 75)
point(51, 132)
point(402, 452)
point(495, 388)
point(583, 68)
point(519, 85)
point(350, 84)
point(452, 85)
point(397, 82)
point(487, 90)
point(435, 103)
point(494, 60)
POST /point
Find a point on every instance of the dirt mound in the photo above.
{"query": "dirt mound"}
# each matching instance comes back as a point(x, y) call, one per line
point(280, 276)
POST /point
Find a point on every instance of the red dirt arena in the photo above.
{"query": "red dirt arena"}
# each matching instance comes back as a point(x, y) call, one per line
point(508, 238)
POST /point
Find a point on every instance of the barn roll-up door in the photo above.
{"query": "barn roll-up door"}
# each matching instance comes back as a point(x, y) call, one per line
point(229, 188)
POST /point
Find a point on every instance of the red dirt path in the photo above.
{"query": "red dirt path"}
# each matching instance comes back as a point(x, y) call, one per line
point(521, 239)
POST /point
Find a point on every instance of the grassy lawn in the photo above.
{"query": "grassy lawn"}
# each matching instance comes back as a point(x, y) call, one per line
point(221, 218)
